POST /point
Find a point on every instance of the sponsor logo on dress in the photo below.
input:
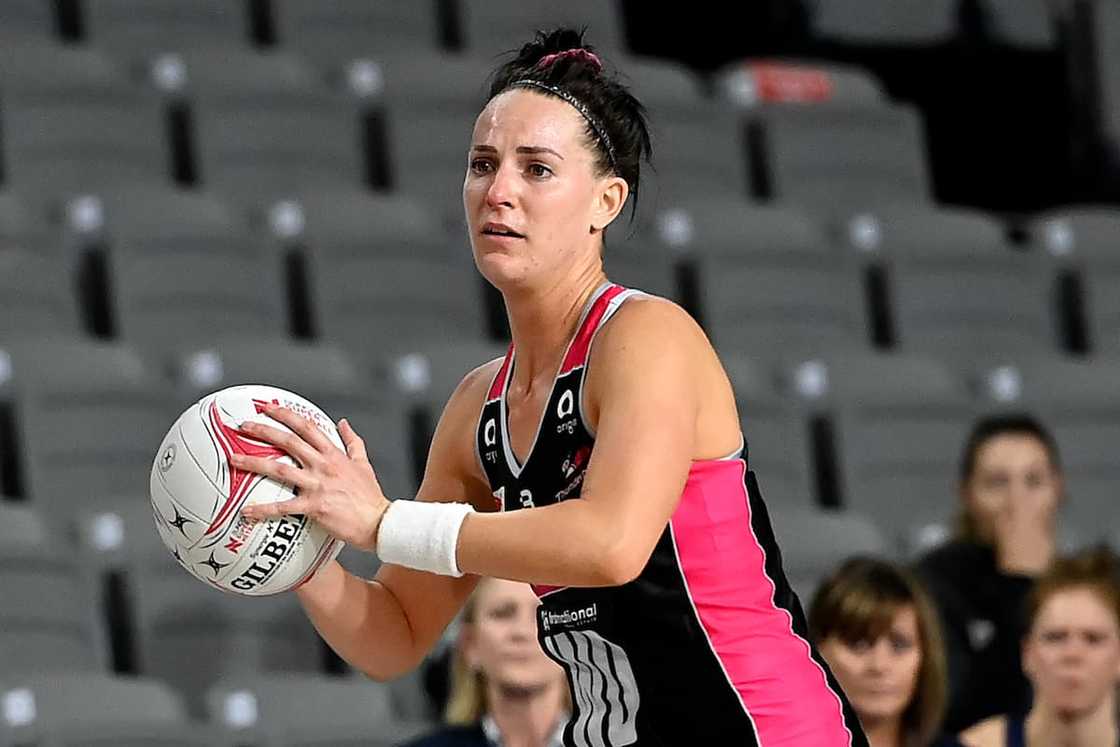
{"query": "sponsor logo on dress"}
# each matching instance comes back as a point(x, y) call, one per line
point(569, 618)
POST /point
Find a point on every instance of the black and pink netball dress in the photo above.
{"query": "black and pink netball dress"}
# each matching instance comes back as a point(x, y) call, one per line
point(708, 645)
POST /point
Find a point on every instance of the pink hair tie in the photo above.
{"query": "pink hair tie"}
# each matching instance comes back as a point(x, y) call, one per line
point(575, 54)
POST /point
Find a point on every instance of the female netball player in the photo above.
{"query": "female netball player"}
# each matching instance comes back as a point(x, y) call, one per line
point(601, 460)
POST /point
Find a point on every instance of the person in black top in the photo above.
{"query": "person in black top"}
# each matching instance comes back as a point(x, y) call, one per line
point(504, 691)
point(1011, 487)
point(1072, 657)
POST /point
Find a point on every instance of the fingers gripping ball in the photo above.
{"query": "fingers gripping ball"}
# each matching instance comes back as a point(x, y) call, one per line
point(197, 496)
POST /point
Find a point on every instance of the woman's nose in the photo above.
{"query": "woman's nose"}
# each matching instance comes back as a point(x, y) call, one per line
point(501, 189)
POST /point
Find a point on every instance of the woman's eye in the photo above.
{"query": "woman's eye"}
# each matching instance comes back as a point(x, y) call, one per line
point(480, 166)
point(539, 170)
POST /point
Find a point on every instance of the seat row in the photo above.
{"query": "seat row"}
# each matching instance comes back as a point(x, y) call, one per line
point(877, 433)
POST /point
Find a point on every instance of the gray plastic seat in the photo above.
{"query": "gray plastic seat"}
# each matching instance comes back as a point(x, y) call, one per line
point(36, 295)
point(192, 635)
point(815, 541)
point(696, 153)
point(1084, 239)
point(1022, 24)
point(884, 22)
point(897, 425)
point(49, 620)
point(428, 151)
point(336, 31)
point(87, 419)
point(72, 120)
point(490, 27)
point(78, 709)
point(306, 711)
point(327, 377)
point(417, 286)
point(26, 17)
point(142, 27)
point(185, 269)
point(750, 84)
point(834, 158)
point(265, 124)
point(663, 86)
point(766, 276)
point(775, 430)
point(956, 286)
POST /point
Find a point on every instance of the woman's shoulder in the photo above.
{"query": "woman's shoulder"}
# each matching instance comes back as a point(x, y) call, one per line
point(990, 732)
point(453, 736)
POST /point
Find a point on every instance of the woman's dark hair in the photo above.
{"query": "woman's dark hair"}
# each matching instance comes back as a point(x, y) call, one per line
point(1014, 424)
point(985, 429)
point(859, 602)
point(560, 64)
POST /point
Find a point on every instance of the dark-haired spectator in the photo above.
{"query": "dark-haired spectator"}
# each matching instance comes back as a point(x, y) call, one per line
point(1071, 655)
point(1010, 488)
point(875, 625)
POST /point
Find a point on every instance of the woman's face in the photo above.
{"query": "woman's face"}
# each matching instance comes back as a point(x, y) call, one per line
point(501, 643)
point(1011, 470)
point(531, 172)
point(1072, 653)
point(879, 677)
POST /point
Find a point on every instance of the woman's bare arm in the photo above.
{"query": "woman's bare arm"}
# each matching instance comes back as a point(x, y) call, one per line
point(385, 626)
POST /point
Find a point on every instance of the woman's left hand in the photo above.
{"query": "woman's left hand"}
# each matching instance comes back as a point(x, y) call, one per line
point(337, 489)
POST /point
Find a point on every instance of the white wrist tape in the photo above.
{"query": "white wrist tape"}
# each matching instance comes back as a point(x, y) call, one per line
point(422, 535)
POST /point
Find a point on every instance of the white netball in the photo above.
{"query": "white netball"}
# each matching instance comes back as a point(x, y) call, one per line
point(197, 497)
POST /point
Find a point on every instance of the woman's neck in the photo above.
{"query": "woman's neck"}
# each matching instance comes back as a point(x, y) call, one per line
point(886, 732)
point(543, 321)
point(1046, 726)
point(526, 717)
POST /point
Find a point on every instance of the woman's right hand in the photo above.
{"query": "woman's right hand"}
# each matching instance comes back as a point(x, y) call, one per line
point(1024, 535)
point(337, 489)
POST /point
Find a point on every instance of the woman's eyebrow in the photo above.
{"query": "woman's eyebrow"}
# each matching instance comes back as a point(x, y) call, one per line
point(526, 149)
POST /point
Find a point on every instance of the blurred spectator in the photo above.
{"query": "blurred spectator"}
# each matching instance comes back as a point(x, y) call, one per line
point(505, 692)
point(1010, 487)
point(1071, 655)
point(876, 627)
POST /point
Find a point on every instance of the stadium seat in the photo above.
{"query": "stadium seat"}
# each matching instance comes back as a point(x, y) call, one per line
point(87, 419)
point(897, 423)
point(1022, 24)
point(50, 619)
point(695, 153)
point(750, 84)
point(884, 23)
point(774, 429)
point(24, 18)
point(308, 711)
point(632, 257)
point(956, 287)
point(72, 120)
point(264, 123)
point(767, 275)
point(1079, 400)
point(815, 541)
point(418, 286)
point(839, 157)
point(427, 153)
point(78, 709)
point(663, 86)
point(37, 295)
point(1084, 240)
point(192, 635)
point(145, 27)
point(184, 269)
point(327, 377)
point(337, 31)
point(490, 27)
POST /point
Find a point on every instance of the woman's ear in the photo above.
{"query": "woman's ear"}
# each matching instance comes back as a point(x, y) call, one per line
point(467, 647)
point(609, 199)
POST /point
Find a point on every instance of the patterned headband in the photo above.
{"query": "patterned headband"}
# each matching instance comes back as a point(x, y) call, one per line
point(596, 127)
